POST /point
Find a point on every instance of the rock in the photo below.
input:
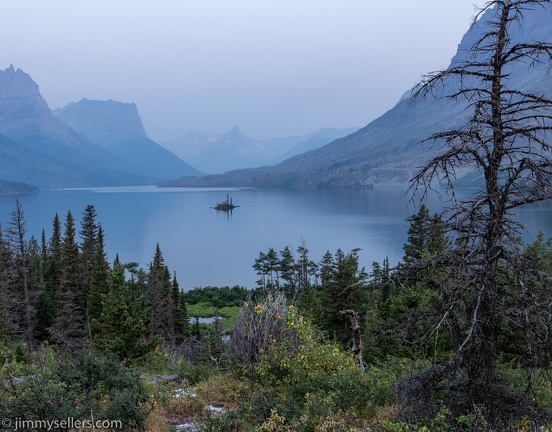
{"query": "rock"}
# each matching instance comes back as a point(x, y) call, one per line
point(155, 378)
point(186, 427)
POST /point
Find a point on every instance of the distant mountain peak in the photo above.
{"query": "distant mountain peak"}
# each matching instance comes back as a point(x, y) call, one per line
point(23, 110)
point(103, 121)
point(233, 133)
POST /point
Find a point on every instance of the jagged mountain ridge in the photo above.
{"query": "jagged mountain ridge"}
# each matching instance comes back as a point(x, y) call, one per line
point(386, 151)
point(26, 118)
point(235, 150)
point(117, 128)
point(39, 148)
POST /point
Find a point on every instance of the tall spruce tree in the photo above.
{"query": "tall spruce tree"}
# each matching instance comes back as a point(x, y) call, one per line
point(45, 312)
point(89, 240)
point(69, 329)
point(343, 291)
point(121, 325)
point(99, 280)
point(53, 267)
point(8, 304)
point(158, 296)
point(286, 268)
point(181, 318)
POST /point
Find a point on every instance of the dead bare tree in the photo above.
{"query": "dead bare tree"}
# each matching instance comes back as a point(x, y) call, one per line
point(505, 138)
point(257, 326)
point(356, 330)
point(16, 234)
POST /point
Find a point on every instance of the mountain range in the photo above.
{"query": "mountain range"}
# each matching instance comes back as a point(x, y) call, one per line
point(386, 152)
point(39, 148)
point(101, 143)
point(104, 143)
point(117, 127)
point(234, 150)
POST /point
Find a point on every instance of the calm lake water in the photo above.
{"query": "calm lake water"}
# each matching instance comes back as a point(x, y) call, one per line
point(205, 247)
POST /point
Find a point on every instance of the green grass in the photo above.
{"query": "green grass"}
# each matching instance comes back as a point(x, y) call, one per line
point(201, 310)
point(207, 310)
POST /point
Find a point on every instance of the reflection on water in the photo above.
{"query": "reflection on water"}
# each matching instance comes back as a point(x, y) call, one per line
point(206, 247)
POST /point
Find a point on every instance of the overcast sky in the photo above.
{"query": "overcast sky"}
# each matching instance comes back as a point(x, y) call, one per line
point(272, 67)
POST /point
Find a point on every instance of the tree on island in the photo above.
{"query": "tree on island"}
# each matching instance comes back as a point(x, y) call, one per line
point(505, 140)
point(227, 205)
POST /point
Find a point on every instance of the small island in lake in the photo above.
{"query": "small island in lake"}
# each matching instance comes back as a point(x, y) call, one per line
point(226, 205)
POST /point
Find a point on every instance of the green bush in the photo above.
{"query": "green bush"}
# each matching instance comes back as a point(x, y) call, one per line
point(84, 386)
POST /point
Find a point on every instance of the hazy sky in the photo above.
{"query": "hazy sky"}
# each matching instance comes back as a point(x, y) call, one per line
point(272, 67)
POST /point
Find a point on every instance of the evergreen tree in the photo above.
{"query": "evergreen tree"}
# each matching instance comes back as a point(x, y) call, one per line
point(158, 296)
point(23, 290)
point(69, 327)
point(326, 268)
point(99, 279)
point(181, 318)
point(8, 304)
point(89, 240)
point(260, 269)
point(526, 338)
point(345, 290)
point(267, 266)
point(69, 259)
point(170, 313)
point(196, 332)
point(121, 325)
point(45, 310)
point(305, 267)
point(52, 276)
point(286, 268)
point(417, 235)
point(48, 301)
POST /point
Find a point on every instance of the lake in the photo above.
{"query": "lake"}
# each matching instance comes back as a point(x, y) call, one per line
point(209, 248)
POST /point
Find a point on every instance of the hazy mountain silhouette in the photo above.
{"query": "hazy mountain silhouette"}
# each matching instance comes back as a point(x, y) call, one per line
point(386, 151)
point(234, 150)
point(117, 127)
point(39, 148)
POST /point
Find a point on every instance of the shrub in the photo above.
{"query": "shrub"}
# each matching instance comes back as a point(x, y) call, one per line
point(83, 386)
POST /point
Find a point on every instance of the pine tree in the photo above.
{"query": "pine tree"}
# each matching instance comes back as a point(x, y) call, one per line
point(181, 318)
point(306, 268)
point(69, 259)
point(286, 268)
point(52, 277)
point(99, 280)
point(345, 290)
point(45, 312)
point(326, 268)
point(23, 290)
point(260, 269)
point(121, 325)
point(89, 240)
point(417, 235)
point(69, 326)
point(158, 296)
point(8, 304)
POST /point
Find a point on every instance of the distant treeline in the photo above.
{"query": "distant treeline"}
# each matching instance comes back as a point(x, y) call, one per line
point(8, 187)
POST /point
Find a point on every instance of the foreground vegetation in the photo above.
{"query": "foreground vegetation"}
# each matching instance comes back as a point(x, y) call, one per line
point(275, 358)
